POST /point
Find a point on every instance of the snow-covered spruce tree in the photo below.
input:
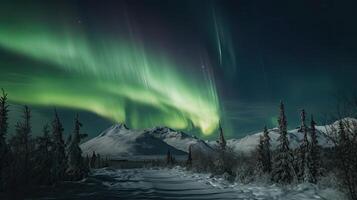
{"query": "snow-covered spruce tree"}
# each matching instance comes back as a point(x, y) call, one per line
point(307, 176)
point(221, 141)
point(43, 157)
point(260, 156)
point(314, 158)
point(303, 126)
point(5, 153)
point(59, 160)
point(267, 151)
point(76, 168)
point(224, 164)
point(283, 170)
point(345, 153)
point(303, 150)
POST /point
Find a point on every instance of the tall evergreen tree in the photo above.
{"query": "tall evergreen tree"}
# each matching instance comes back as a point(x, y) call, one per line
point(4, 110)
point(4, 148)
point(21, 145)
point(59, 155)
point(223, 160)
point(303, 150)
point(314, 154)
point(263, 152)
point(302, 121)
point(346, 156)
point(76, 167)
point(221, 141)
point(267, 151)
point(260, 155)
point(43, 157)
point(283, 171)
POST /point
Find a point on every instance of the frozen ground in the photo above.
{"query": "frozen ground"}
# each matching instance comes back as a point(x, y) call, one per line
point(174, 184)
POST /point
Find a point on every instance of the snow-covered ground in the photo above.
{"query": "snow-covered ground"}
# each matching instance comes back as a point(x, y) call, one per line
point(177, 183)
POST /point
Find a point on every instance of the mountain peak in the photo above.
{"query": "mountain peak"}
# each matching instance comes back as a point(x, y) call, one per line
point(346, 120)
point(114, 129)
point(119, 141)
point(120, 126)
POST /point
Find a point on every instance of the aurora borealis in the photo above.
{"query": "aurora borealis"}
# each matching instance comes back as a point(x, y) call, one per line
point(116, 78)
point(183, 64)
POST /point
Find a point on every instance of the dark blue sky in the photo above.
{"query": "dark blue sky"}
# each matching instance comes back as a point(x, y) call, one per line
point(301, 52)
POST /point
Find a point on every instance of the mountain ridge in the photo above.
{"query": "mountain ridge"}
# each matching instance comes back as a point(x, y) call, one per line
point(120, 141)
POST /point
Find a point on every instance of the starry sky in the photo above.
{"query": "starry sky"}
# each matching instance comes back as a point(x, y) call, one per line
point(178, 63)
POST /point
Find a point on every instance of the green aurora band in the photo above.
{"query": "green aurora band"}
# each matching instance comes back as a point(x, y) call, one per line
point(118, 79)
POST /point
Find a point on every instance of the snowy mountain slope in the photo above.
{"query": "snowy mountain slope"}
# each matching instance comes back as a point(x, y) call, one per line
point(249, 143)
point(177, 139)
point(119, 141)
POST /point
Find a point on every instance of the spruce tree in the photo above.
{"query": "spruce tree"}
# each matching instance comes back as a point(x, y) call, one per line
point(21, 145)
point(43, 157)
point(221, 141)
point(307, 176)
point(267, 151)
point(4, 148)
point(314, 154)
point(59, 155)
point(76, 166)
point(4, 110)
point(260, 155)
point(303, 150)
point(302, 121)
point(223, 160)
point(346, 156)
point(283, 171)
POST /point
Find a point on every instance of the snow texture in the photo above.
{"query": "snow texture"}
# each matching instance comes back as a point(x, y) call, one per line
point(177, 183)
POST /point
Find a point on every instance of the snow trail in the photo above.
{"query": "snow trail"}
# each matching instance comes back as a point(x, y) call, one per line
point(175, 183)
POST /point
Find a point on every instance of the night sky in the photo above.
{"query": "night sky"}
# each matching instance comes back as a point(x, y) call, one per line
point(182, 64)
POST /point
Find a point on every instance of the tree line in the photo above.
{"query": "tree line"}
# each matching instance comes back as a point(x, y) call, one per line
point(304, 164)
point(288, 165)
point(309, 162)
point(27, 161)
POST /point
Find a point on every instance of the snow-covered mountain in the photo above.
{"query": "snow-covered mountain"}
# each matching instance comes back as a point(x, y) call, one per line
point(120, 142)
point(249, 143)
point(177, 139)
